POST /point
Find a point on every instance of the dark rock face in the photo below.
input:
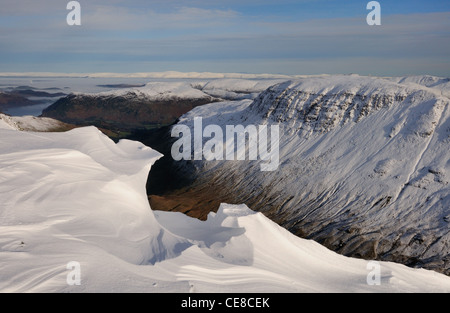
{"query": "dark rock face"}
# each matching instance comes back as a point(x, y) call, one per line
point(127, 112)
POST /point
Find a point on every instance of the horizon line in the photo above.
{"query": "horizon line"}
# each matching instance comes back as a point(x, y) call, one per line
point(180, 75)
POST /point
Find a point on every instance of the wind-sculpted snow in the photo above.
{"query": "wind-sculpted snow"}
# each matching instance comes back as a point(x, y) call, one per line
point(79, 198)
point(364, 165)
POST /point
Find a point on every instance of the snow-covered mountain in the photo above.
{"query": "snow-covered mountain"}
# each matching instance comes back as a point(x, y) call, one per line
point(129, 108)
point(364, 164)
point(74, 217)
point(157, 91)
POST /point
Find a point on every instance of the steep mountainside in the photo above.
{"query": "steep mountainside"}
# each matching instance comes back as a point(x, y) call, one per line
point(364, 166)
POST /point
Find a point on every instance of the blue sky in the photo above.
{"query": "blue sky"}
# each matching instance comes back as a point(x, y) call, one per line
point(246, 36)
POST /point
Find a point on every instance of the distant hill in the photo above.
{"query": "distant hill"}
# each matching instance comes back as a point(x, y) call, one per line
point(128, 109)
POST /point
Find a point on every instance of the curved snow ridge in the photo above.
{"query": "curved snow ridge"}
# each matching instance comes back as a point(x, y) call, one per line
point(73, 196)
point(265, 257)
point(321, 104)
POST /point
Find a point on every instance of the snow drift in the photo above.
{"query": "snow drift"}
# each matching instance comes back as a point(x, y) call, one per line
point(78, 196)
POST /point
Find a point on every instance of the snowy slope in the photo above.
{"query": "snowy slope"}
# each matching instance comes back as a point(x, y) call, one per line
point(237, 89)
point(156, 91)
point(6, 122)
point(364, 166)
point(438, 83)
point(210, 89)
point(78, 197)
point(31, 123)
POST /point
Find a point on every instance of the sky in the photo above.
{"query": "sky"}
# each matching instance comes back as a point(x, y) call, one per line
point(229, 36)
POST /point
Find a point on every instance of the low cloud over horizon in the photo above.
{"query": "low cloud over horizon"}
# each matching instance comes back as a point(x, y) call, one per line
point(284, 37)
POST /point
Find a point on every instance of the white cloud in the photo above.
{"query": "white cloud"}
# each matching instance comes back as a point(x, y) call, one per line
point(194, 36)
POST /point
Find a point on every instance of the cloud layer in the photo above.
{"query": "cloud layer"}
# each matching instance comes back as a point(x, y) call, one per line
point(220, 36)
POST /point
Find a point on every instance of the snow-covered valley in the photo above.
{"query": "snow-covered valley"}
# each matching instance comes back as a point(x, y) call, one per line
point(363, 175)
point(79, 197)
